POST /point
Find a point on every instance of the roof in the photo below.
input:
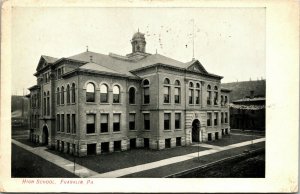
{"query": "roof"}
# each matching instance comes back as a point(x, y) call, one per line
point(96, 67)
point(49, 59)
point(251, 99)
point(124, 65)
point(240, 90)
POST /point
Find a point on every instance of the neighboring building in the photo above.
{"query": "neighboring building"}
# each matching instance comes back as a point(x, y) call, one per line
point(248, 104)
point(19, 111)
point(92, 103)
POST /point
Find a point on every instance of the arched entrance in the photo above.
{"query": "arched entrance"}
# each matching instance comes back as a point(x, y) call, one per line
point(45, 135)
point(196, 131)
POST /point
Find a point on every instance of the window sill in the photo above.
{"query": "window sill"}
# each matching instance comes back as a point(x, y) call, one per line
point(167, 130)
point(133, 130)
point(116, 132)
point(104, 133)
point(166, 103)
point(148, 130)
point(117, 103)
point(132, 104)
point(90, 134)
point(178, 130)
point(91, 103)
point(104, 103)
point(145, 104)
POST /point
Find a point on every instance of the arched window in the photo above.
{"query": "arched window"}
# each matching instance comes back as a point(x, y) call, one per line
point(57, 96)
point(73, 93)
point(191, 93)
point(197, 94)
point(132, 95)
point(116, 94)
point(226, 100)
point(68, 94)
point(216, 96)
point(166, 81)
point(146, 94)
point(62, 95)
point(166, 90)
point(103, 93)
point(208, 95)
point(177, 92)
point(90, 92)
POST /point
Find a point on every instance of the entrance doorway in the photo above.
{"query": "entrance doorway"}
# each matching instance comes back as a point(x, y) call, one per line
point(45, 135)
point(196, 131)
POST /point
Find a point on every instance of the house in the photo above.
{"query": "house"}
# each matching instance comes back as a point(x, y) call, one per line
point(92, 103)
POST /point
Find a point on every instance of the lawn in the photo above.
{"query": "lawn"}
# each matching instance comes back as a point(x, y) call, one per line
point(233, 139)
point(118, 160)
point(27, 164)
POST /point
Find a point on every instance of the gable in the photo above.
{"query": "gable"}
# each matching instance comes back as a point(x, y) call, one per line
point(42, 63)
point(197, 67)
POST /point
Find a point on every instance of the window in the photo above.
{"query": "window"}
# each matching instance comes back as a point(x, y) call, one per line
point(44, 104)
point(146, 121)
point(178, 141)
point(73, 123)
point(166, 94)
point(68, 94)
point(191, 94)
point(208, 119)
point(116, 94)
point(216, 96)
point(177, 92)
point(132, 95)
point(197, 97)
point(57, 97)
point(68, 123)
point(146, 92)
point(59, 73)
point(62, 117)
point(167, 121)
point(103, 93)
point(216, 119)
point(117, 145)
point(177, 120)
point(208, 95)
point(166, 81)
point(222, 100)
point(226, 117)
point(168, 143)
point(132, 121)
point(90, 123)
point(225, 101)
point(222, 117)
point(62, 95)
point(116, 122)
point(48, 103)
point(104, 123)
point(90, 92)
point(73, 93)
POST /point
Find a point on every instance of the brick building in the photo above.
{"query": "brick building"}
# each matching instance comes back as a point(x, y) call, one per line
point(92, 103)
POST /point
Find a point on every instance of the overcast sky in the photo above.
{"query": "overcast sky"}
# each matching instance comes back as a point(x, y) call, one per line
point(228, 41)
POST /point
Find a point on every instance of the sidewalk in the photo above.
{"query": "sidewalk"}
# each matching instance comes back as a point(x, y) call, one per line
point(86, 172)
point(57, 160)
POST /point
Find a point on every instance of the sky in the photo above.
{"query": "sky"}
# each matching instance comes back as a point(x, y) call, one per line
point(227, 41)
